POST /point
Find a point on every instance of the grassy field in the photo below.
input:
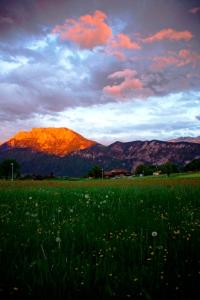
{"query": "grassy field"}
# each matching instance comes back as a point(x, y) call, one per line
point(100, 239)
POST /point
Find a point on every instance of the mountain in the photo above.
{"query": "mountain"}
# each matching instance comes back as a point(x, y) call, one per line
point(66, 153)
point(186, 139)
point(54, 141)
point(130, 155)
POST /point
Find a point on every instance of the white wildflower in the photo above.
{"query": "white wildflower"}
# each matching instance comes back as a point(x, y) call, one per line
point(58, 239)
point(34, 215)
point(154, 233)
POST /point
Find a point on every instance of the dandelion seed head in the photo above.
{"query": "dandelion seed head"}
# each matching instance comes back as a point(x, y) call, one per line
point(160, 247)
point(58, 239)
point(34, 215)
point(154, 233)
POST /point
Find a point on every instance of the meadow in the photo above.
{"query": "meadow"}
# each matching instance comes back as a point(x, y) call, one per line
point(134, 238)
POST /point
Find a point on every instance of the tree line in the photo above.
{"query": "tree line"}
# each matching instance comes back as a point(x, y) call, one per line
point(10, 168)
point(145, 169)
point(167, 168)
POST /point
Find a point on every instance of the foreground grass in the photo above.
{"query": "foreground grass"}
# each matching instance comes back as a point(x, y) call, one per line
point(117, 241)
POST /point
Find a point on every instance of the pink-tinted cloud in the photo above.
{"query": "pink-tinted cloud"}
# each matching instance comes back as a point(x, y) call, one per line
point(182, 58)
point(129, 83)
point(88, 32)
point(119, 43)
point(127, 73)
point(117, 53)
point(169, 34)
point(6, 20)
point(161, 62)
point(195, 10)
point(123, 41)
point(186, 57)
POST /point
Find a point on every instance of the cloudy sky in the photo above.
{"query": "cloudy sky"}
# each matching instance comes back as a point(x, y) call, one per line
point(108, 69)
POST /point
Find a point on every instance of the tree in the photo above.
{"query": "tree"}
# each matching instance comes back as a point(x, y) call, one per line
point(6, 168)
point(194, 165)
point(140, 169)
point(145, 169)
point(95, 172)
point(169, 168)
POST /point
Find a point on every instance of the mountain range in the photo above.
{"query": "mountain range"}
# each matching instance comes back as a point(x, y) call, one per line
point(66, 153)
point(187, 139)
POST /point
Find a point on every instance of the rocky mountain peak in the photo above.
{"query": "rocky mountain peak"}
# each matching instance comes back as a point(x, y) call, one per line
point(55, 141)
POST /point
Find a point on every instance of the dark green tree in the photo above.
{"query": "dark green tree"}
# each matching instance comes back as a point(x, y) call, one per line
point(194, 165)
point(140, 169)
point(169, 168)
point(145, 170)
point(150, 169)
point(95, 172)
point(6, 167)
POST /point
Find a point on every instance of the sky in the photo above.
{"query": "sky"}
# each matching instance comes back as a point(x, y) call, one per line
point(111, 70)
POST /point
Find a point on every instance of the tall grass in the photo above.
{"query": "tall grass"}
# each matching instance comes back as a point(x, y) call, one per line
point(134, 242)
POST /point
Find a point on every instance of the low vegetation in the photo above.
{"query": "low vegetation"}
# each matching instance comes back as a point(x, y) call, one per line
point(11, 168)
point(100, 239)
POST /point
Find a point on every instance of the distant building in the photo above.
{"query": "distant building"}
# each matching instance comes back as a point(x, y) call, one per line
point(117, 173)
point(157, 173)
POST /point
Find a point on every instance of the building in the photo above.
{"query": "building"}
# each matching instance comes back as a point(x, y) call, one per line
point(157, 173)
point(117, 173)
